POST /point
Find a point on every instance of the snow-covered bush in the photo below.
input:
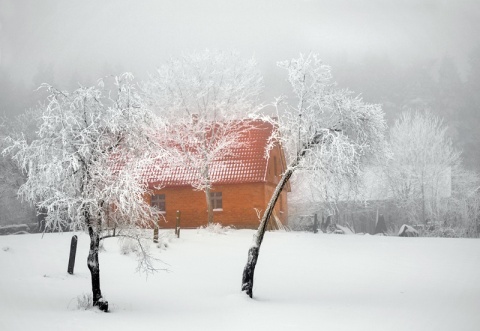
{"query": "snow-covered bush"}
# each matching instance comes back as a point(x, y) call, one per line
point(85, 301)
point(215, 228)
point(442, 230)
point(164, 239)
point(128, 245)
point(139, 243)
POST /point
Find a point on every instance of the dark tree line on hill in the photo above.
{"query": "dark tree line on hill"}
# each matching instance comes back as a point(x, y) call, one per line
point(429, 84)
point(434, 84)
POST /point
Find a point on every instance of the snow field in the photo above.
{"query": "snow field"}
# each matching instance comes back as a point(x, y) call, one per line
point(302, 282)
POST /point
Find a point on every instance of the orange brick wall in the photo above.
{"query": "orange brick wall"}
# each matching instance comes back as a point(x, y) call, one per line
point(274, 173)
point(239, 201)
point(281, 207)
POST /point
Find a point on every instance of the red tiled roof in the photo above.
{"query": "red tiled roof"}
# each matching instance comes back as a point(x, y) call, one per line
point(245, 164)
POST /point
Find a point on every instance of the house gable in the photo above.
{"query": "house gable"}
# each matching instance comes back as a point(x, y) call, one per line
point(276, 166)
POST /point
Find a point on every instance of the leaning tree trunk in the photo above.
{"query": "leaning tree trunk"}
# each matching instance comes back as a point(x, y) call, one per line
point(248, 271)
point(94, 267)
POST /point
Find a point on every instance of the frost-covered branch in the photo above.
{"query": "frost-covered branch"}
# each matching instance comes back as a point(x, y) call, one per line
point(85, 168)
point(423, 165)
point(206, 96)
point(356, 129)
point(324, 130)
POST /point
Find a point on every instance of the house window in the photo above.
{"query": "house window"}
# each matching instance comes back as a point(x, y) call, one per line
point(158, 201)
point(216, 199)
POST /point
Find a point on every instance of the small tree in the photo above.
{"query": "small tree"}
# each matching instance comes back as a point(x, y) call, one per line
point(84, 168)
point(324, 129)
point(205, 96)
point(11, 176)
point(423, 164)
point(461, 211)
point(426, 177)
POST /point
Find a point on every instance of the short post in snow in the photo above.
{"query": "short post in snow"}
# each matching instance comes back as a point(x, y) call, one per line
point(325, 223)
point(155, 233)
point(177, 225)
point(73, 253)
point(315, 223)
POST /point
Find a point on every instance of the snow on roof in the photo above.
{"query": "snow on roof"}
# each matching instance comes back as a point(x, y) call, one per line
point(246, 163)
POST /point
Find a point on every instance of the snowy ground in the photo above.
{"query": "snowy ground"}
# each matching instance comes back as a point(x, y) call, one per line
point(302, 282)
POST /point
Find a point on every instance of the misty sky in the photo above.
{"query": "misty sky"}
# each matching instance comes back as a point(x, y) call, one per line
point(86, 36)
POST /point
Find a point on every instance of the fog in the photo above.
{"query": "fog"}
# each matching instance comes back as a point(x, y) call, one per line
point(375, 47)
point(86, 36)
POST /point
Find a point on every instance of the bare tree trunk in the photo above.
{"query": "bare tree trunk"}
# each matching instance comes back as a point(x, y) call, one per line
point(248, 271)
point(209, 205)
point(253, 252)
point(94, 267)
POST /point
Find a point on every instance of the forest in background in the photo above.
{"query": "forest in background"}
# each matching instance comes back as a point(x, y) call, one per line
point(434, 85)
point(437, 85)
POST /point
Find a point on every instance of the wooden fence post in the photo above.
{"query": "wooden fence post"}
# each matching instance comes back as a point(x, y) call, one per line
point(315, 223)
point(177, 225)
point(155, 233)
point(73, 253)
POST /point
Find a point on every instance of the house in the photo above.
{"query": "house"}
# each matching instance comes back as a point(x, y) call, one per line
point(242, 184)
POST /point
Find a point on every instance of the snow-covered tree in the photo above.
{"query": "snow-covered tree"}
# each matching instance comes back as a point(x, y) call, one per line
point(206, 96)
point(460, 213)
point(324, 129)
point(422, 166)
point(84, 169)
point(11, 176)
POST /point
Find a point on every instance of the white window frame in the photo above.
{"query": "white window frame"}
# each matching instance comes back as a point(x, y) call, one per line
point(215, 197)
point(161, 199)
